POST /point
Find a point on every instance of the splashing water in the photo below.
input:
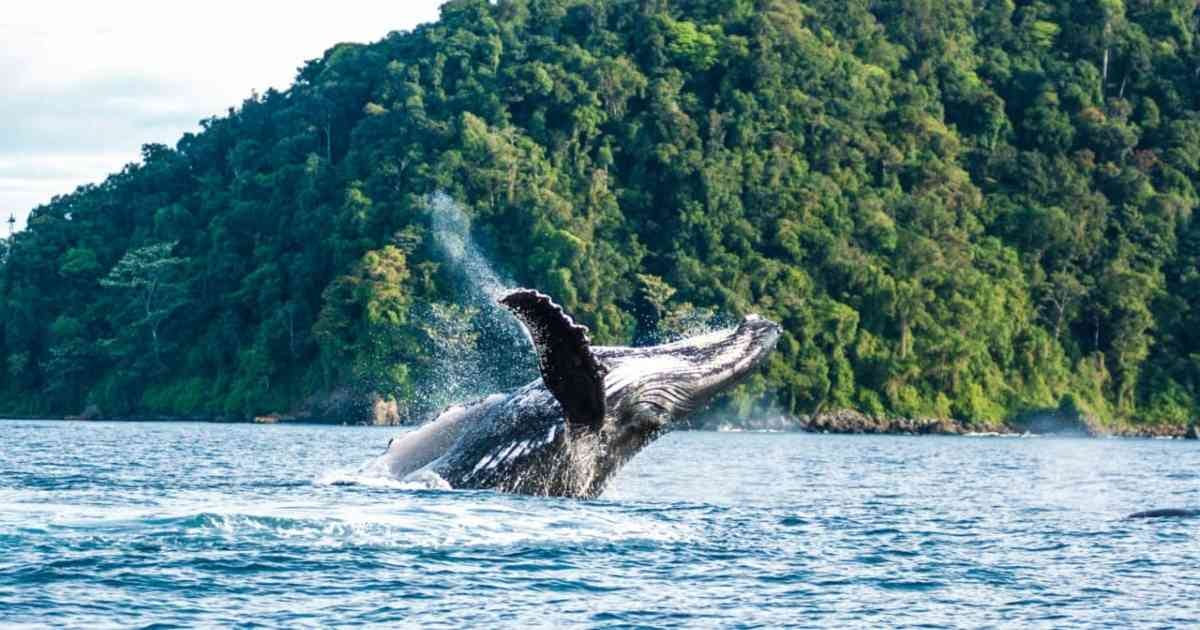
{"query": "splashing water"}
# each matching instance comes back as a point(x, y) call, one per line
point(371, 475)
point(452, 234)
point(482, 347)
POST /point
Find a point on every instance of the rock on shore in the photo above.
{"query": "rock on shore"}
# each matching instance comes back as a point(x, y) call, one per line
point(850, 421)
point(343, 406)
point(1049, 422)
point(840, 421)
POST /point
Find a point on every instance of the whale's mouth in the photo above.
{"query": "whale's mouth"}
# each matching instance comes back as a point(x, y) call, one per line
point(726, 361)
point(674, 380)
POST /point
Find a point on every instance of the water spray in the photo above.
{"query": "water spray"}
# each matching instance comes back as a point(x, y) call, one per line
point(482, 347)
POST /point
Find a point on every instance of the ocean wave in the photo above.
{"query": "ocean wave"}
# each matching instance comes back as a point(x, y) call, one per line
point(756, 531)
point(420, 480)
point(1026, 434)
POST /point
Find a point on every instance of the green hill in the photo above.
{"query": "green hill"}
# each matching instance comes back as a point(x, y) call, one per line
point(956, 209)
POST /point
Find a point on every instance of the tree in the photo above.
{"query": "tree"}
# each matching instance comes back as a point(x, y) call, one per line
point(363, 328)
point(149, 276)
point(956, 209)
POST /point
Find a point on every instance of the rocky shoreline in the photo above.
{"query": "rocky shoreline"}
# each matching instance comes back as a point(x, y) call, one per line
point(848, 421)
point(377, 412)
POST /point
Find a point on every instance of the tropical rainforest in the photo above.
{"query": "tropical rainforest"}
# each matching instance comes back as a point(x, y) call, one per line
point(963, 209)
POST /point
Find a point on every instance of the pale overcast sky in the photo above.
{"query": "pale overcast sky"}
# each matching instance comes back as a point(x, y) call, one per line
point(83, 85)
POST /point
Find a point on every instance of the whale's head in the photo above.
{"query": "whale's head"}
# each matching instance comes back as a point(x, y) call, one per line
point(648, 389)
point(626, 396)
point(616, 400)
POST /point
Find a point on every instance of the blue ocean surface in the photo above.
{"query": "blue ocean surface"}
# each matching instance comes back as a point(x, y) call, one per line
point(125, 524)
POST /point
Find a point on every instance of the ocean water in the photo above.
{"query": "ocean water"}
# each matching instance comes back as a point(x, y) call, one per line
point(200, 524)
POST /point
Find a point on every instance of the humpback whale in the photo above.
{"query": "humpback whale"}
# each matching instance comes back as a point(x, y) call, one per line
point(594, 407)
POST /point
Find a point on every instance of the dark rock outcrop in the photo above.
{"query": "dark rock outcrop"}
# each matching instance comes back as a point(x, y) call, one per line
point(850, 421)
point(1059, 422)
point(839, 421)
point(344, 406)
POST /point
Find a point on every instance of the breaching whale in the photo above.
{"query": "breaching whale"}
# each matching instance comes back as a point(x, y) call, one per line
point(593, 408)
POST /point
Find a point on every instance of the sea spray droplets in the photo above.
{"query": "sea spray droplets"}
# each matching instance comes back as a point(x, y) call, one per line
point(452, 234)
point(486, 348)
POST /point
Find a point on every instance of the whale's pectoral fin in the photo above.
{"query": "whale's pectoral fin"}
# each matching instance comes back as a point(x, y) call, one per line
point(571, 372)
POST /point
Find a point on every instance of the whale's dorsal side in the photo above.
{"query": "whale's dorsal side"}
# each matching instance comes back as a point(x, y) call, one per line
point(569, 368)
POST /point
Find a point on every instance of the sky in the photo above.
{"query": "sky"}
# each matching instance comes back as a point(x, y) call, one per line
point(83, 85)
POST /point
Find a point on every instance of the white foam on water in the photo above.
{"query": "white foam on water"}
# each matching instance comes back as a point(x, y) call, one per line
point(457, 520)
point(372, 479)
point(727, 427)
point(427, 480)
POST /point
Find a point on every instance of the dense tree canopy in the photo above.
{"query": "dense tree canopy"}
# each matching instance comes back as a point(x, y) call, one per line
point(956, 209)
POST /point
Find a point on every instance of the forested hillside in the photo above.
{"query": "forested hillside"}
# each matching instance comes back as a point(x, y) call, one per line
point(956, 209)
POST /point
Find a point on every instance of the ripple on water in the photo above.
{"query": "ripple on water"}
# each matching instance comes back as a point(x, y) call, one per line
point(282, 526)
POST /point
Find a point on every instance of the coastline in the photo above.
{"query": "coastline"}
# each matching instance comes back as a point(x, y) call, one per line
point(849, 421)
point(843, 421)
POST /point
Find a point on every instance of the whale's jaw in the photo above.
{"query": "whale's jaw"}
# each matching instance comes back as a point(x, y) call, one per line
point(663, 384)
